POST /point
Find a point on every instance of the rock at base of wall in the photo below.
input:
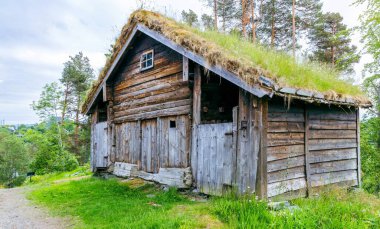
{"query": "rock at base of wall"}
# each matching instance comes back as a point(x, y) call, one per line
point(177, 177)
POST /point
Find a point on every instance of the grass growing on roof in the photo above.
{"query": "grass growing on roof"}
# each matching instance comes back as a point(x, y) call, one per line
point(246, 60)
point(280, 66)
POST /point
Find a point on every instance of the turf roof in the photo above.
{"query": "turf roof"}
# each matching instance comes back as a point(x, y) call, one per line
point(246, 60)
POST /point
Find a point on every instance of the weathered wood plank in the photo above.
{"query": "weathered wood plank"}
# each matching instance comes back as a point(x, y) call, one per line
point(286, 174)
point(282, 152)
point(332, 125)
point(185, 68)
point(333, 177)
point(149, 157)
point(333, 166)
point(147, 76)
point(332, 155)
point(278, 139)
point(160, 86)
point(286, 186)
point(307, 152)
point(332, 116)
point(196, 120)
point(262, 168)
point(286, 163)
point(286, 117)
point(283, 108)
point(359, 169)
point(332, 134)
point(279, 127)
point(295, 194)
point(154, 107)
point(325, 144)
point(158, 97)
point(182, 110)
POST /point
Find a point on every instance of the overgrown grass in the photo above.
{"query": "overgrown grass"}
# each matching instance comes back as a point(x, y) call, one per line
point(332, 209)
point(99, 203)
point(81, 171)
point(281, 66)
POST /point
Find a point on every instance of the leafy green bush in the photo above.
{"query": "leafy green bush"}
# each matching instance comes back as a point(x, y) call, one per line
point(48, 153)
point(370, 154)
point(14, 159)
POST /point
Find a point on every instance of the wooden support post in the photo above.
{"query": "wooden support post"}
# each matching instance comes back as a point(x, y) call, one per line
point(243, 141)
point(235, 120)
point(185, 70)
point(196, 120)
point(262, 171)
point(358, 147)
point(307, 153)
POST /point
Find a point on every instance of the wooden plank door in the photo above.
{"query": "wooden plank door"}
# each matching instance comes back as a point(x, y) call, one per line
point(99, 145)
point(149, 155)
point(216, 157)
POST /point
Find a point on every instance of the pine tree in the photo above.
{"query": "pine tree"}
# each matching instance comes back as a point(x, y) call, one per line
point(190, 18)
point(331, 43)
point(214, 5)
point(227, 12)
point(282, 23)
point(207, 21)
point(77, 77)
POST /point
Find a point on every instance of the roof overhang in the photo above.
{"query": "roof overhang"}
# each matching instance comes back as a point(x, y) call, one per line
point(256, 90)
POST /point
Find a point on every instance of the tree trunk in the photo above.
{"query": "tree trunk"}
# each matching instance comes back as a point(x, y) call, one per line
point(76, 131)
point(215, 15)
point(64, 108)
point(273, 25)
point(333, 46)
point(253, 21)
point(244, 17)
point(294, 27)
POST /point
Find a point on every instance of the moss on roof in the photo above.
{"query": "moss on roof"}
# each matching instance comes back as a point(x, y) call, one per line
point(247, 60)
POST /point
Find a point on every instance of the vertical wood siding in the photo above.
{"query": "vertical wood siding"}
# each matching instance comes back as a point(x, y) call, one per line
point(152, 144)
point(216, 157)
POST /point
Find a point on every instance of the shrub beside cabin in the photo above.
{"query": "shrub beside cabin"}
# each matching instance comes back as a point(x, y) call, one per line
point(166, 110)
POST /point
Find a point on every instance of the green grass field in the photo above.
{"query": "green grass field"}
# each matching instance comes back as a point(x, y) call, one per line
point(99, 203)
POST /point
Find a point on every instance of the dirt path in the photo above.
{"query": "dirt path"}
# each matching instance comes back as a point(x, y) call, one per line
point(16, 211)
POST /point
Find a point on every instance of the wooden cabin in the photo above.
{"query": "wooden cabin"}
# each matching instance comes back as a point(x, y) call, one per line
point(165, 111)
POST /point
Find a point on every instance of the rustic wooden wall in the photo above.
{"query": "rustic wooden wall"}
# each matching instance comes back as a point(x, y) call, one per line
point(156, 92)
point(333, 145)
point(310, 146)
point(144, 104)
point(286, 148)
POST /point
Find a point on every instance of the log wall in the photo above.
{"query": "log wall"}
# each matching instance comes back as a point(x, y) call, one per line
point(152, 93)
point(146, 104)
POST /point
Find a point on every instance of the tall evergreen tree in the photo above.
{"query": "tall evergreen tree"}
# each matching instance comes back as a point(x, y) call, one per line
point(78, 76)
point(207, 21)
point(190, 18)
point(227, 12)
point(282, 23)
point(370, 30)
point(331, 43)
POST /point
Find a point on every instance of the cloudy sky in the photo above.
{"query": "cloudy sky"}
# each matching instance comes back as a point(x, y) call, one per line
point(38, 36)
